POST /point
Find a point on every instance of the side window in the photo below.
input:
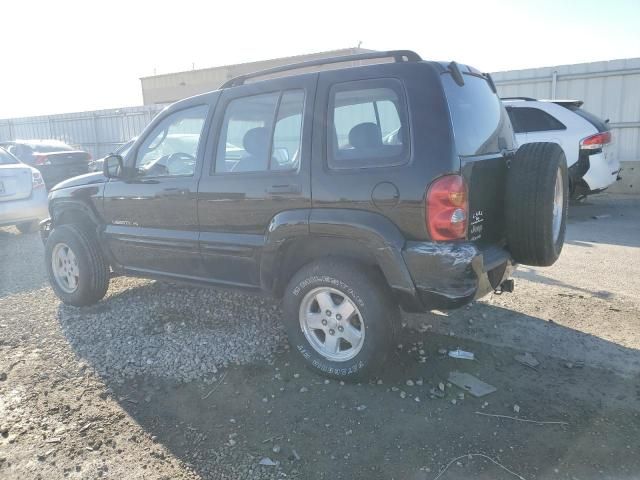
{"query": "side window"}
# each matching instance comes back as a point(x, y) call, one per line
point(172, 147)
point(533, 120)
point(367, 125)
point(261, 133)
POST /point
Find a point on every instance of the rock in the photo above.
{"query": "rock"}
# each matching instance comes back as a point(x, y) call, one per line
point(327, 381)
point(442, 351)
point(295, 454)
point(403, 394)
point(304, 389)
point(410, 383)
point(296, 375)
point(276, 449)
point(361, 408)
point(527, 360)
point(516, 408)
point(454, 401)
point(266, 461)
point(394, 389)
point(441, 387)
point(417, 399)
point(379, 382)
point(419, 382)
point(3, 376)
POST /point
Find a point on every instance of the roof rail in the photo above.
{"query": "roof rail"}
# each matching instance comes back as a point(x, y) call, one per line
point(397, 55)
point(526, 99)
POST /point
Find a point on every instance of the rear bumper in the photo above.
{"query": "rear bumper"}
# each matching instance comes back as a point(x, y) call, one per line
point(29, 209)
point(602, 172)
point(450, 275)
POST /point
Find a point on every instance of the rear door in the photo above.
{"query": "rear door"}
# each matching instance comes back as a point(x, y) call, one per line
point(15, 178)
point(258, 165)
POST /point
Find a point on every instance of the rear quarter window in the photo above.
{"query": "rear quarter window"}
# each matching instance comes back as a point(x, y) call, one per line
point(367, 125)
point(527, 119)
point(597, 122)
point(480, 122)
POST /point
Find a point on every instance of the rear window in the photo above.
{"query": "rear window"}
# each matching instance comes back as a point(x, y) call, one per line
point(367, 125)
point(591, 118)
point(6, 158)
point(480, 122)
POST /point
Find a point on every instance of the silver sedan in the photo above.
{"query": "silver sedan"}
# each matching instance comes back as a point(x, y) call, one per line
point(23, 196)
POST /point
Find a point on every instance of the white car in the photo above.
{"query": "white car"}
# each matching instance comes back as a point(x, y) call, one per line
point(585, 139)
point(23, 196)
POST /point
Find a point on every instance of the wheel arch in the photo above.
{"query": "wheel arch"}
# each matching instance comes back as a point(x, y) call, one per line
point(361, 236)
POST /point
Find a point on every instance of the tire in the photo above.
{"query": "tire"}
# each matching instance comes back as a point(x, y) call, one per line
point(90, 270)
point(537, 196)
point(375, 316)
point(28, 227)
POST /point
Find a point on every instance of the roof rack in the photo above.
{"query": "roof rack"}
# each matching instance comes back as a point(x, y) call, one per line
point(397, 55)
point(526, 99)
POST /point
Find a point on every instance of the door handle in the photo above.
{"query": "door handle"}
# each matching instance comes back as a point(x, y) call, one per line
point(287, 188)
point(173, 192)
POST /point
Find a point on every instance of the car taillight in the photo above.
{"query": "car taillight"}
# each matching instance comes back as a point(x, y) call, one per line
point(447, 209)
point(36, 180)
point(41, 160)
point(595, 142)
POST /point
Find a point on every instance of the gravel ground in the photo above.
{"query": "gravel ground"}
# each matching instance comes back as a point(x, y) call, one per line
point(162, 381)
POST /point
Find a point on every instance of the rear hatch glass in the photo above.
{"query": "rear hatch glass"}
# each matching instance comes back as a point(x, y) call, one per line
point(482, 131)
point(594, 120)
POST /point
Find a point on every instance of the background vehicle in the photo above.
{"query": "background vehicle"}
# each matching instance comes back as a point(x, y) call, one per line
point(55, 160)
point(96, 165)
point(23, 197)
point(348, 192)
point(584, 138)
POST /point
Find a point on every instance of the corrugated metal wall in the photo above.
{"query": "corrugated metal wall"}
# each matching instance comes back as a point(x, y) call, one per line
point(99, 132)
point(609, 89)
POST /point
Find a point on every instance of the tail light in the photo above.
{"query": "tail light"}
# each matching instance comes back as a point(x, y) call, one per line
point(595, 142)
point(41, 160)
point(36, 180)
point(447, 209)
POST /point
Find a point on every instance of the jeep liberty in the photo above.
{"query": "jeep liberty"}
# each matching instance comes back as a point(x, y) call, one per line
point(348, 193)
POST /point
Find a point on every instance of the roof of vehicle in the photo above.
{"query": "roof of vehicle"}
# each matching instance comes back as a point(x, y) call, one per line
point(557, 101)
point(35, 143)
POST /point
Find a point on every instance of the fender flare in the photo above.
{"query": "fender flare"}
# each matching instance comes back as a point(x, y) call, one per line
point(372, 231)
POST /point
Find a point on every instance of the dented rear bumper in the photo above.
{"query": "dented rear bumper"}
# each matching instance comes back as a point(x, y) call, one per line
point(450, 275)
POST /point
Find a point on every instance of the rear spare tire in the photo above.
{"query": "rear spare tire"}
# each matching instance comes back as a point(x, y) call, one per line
point(536, 204)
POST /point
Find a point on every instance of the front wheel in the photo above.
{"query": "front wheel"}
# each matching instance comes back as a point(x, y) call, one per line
point(340, 317)
point(78, 272)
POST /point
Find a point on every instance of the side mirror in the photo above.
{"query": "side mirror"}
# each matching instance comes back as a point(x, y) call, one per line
point(113, 166)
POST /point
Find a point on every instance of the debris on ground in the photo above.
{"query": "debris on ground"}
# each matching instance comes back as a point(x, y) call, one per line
point(461, 354)
point(578, 364)
point(516, 408)
point(471, 384)
point(600, 217)
point(527, 360)
point(267, 462)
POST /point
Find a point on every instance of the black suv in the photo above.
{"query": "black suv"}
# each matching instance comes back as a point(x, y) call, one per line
point(346, 192)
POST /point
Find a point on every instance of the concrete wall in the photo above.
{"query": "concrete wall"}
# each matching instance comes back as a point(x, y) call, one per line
point(171, 87)
point(609, 89)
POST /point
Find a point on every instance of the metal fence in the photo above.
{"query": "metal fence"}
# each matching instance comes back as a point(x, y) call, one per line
point(99, 132)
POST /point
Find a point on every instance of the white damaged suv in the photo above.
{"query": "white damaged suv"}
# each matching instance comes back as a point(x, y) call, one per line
point(585, 139)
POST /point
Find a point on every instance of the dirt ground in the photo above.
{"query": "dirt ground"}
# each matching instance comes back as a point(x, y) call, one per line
point(59, 418)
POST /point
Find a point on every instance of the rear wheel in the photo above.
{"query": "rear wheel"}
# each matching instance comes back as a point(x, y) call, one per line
point(28, 227)
point(340, 317)
point(536, 204)
point(78, 272)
